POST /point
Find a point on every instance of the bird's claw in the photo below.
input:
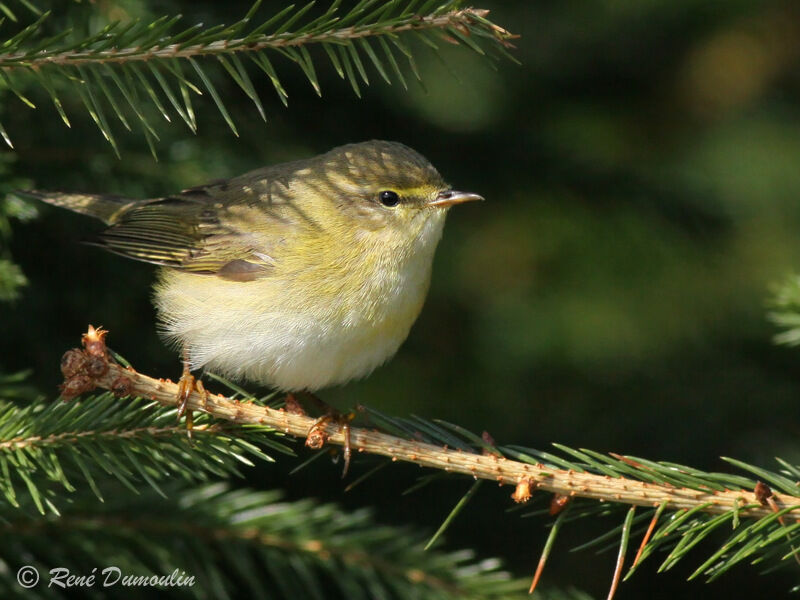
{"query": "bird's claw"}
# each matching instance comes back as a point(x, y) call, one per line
point(317, 436)
point(187, 384)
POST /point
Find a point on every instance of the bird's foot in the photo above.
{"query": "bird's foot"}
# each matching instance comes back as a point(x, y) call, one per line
point(187, 384)
point(318, 436)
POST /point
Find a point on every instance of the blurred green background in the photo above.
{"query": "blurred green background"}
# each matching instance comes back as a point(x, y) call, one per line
point(642, 174)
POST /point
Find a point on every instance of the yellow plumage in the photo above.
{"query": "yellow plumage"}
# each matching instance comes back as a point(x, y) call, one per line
point(298, 276)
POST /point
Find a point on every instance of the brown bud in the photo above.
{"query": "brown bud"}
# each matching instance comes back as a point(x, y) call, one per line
point(522, 493)
point(763, 493)
point(75, 386)
point(488, 439)
point(96, 366)
point(558, 503)
point(94, 342)
point(293, 407)
point(316, 438)
point(122, 387)
point(72, 363)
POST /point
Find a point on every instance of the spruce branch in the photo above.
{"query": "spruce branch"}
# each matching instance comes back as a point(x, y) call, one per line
point(46, 449)
point(230, 541)
point(690, 504)
point(118, 69)
point(614, 478)
point(467, 21)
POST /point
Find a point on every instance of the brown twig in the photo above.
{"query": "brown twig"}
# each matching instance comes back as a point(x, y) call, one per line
point(569, 483)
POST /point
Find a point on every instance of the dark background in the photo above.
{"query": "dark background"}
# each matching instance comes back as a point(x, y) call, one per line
point(642, 173)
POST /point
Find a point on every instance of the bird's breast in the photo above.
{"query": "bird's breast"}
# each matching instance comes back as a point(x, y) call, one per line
point(308, 325)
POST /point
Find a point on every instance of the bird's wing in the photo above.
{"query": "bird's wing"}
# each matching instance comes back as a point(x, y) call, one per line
point(231, 229)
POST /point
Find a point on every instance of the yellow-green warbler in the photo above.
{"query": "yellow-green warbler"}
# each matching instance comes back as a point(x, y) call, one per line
point(300, 275)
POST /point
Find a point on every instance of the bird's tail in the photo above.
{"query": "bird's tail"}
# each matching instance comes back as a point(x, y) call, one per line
point(100, 206)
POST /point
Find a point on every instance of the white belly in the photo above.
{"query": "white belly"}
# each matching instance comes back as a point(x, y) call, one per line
point(277, 332)
point(296, 353)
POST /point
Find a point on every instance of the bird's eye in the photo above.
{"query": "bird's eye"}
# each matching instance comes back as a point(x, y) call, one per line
point(389, 198)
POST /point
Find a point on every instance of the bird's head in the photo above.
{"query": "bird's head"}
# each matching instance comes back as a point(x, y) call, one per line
point(388, 187)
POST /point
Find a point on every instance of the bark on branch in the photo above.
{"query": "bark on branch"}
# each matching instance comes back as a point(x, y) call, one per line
point(91, 367)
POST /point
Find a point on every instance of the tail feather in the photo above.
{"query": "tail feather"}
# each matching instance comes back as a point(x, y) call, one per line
point(100, 206)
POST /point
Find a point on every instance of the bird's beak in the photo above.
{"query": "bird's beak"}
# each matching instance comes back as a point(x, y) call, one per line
point(448, 198)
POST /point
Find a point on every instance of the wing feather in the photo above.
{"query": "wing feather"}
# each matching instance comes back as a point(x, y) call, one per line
point(194, 231)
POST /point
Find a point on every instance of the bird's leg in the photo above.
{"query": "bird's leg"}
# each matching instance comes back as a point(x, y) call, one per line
point(186, 385)
point(316, 435)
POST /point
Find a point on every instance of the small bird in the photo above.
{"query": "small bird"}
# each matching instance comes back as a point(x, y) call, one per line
point(298, 276)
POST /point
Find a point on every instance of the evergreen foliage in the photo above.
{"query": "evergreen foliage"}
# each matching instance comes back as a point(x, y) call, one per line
point(50, 449)
point(123, 67)
point(785, 311)
point(769, 541)
point(119, 479)
point(237, 542)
